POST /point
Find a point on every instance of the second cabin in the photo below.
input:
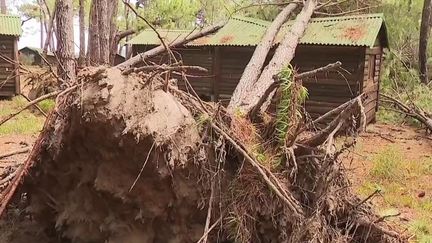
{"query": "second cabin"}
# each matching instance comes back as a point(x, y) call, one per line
point(356, 41)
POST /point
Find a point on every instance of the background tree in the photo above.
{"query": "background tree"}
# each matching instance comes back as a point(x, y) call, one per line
point(81, 16)
point(65, 34)
point(3, 6)
point(424, 37)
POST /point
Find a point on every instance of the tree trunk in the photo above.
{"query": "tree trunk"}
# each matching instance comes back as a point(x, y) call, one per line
point(65, 47)
point(41, 22)
point(282, 57)
point(424, 37)
point(48, 40)
point(256, 63)
point(93, 46)
point(81, 13)
point(127, 46)
point(103, 31)
point(112, 14)
point(3, 6)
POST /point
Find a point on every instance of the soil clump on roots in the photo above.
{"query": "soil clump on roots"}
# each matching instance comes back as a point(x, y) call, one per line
point(130, 158)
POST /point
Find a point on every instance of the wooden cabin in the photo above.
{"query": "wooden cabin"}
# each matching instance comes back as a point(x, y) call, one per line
point(33, 56)
point(356, 41)
point(10, 31)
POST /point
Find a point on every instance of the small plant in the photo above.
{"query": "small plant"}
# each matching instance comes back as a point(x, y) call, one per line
point(387, 165)
point(288, 108)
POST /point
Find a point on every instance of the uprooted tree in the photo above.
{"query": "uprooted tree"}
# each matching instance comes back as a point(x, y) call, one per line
point(128, 157)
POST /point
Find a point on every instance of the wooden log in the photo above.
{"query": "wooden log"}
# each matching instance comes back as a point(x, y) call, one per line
point(282, 58)
point(256, 63)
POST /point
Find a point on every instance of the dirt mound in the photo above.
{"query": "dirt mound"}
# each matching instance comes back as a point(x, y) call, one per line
point(122, 160)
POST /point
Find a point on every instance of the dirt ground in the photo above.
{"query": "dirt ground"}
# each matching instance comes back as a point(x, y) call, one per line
point(414, 144)
point(407, 197)
point(9, 143)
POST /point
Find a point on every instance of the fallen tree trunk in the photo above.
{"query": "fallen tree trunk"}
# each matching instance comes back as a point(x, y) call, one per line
point(282, 58)
point(253, 69)
point(160, 49)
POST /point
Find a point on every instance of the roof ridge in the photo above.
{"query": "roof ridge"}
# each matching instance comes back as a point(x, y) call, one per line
point(10, 16)
point(348, 17)
point(264, 23)
point(169, 30)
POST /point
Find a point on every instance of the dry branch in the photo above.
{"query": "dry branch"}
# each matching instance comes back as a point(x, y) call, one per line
point(141, 57)
point(35, 105)
point(319, 70)
point(30, 104)
point(412, 110)
point(164, 68)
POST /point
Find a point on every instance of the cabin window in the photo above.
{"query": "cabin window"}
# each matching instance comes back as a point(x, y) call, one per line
point(377, 68)
point(371, 67)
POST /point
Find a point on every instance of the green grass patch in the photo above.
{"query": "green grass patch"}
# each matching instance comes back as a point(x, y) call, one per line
point(387, 165)
point(47, 105)
point(422, 228)
point(26, 123)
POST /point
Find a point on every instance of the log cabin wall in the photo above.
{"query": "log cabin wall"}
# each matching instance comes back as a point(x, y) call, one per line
point(330, 89)
point(9, 78)
point(226, 65)
point(371, 83)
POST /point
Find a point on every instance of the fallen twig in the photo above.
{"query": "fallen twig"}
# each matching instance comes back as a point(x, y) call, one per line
point(164, 68)
point(8, 178)
point(319, 70)
point(15, 152)
point(35, 105)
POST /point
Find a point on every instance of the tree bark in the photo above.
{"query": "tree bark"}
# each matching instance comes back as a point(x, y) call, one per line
point(103, 32)
point(41, 22)
point(81, 58)
point(424, 38)
point(65, 47)
point(127, 46)
point(93, 46)
point(256, 63)
point(158, 50)
point(282, 57)
point(113, 32)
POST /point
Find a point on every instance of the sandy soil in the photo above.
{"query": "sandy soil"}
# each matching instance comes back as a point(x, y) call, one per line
point(415, 146)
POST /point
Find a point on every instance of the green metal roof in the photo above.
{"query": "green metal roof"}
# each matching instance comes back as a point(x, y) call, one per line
point(359, 30)
point(10, 25)
point(149, 37)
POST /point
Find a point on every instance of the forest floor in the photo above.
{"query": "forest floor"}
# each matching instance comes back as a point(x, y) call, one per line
point(394, 163)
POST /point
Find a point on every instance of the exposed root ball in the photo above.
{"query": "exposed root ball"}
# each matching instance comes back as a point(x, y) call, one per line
point(122, 160)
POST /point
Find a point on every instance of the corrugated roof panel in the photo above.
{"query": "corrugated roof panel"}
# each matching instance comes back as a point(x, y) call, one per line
point(352, 31)
point(237, 32)
point(149, 37)
point(10, 25)
point(359, 30)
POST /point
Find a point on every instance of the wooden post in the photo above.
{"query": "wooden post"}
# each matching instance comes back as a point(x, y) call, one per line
point(216, 72)
point(16, 67)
